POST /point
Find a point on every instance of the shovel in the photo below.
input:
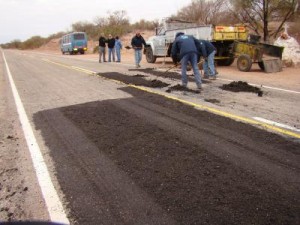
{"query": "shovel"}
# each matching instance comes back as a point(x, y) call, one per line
point(172, 67)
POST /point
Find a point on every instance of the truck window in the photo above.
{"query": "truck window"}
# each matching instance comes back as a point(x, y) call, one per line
point(79, 36)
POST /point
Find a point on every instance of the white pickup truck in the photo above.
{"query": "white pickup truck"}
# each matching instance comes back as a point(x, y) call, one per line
point(222, 37)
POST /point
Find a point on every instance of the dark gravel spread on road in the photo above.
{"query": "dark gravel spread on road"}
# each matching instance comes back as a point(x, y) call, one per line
point(139, 80)
point(135, 80)
point(152, 160)
point(179, 87)
point(166, 74)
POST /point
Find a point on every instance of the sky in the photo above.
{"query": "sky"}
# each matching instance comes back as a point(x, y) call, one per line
point(22, 19)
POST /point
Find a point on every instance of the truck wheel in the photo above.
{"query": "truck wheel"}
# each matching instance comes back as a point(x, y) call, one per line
point(225, 62)
point(149, 55)
point(244, 63)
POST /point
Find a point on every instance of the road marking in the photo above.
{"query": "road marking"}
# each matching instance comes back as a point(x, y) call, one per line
point(53, 203)
point(225, 114)
point(83, 70)
point(272, 127)
point(59, 64)
point(276, 124)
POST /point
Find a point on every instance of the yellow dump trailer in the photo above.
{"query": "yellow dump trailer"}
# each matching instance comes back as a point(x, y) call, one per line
point(267, 56)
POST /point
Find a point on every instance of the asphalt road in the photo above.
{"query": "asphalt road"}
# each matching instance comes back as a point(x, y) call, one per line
point(118, 154)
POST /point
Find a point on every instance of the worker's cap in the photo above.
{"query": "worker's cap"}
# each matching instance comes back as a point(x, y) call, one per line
point(179, 34)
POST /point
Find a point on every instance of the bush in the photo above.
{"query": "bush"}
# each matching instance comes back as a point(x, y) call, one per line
point(33, 42)
point(96, 49)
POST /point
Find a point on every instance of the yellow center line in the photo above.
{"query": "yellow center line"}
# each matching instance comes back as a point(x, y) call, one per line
point(225, 114)
point(198, 106)
point(71, 67)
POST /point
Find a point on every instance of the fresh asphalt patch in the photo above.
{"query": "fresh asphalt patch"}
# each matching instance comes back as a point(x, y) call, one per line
point(151, 160)
point(166, 74)
point(138, 80)
point(179, 87)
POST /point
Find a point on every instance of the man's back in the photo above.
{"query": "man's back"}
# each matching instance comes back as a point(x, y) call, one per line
point(206, 48)
point(184, 44)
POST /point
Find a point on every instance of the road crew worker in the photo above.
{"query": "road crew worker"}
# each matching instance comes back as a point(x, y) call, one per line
point(185, 50)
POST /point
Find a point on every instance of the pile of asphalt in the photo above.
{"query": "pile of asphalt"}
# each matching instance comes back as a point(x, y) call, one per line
point(240, 86)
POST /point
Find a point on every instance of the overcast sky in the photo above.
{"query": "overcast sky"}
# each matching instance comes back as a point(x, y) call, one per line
point(22, 19)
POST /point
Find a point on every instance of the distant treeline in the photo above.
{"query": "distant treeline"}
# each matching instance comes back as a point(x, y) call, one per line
point(116, 23)
point(256, 15)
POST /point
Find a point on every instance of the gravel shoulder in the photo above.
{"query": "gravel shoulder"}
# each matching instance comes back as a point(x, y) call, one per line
point(19, 189)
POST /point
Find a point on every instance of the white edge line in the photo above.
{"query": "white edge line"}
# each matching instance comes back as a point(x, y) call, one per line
point(53, 203)
point(276, 124)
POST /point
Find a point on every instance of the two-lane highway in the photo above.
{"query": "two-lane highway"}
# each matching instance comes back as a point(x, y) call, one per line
point(121, 154)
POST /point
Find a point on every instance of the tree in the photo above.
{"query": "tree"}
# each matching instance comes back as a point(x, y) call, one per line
point(204, 12)
point(257, 14)
point(116, 23)
point(33, 42)
point(82, 26)
point(13, 44)
point(145, 25)
point(118, 18)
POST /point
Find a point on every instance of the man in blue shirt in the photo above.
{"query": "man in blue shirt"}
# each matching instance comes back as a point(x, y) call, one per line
point(137, 43)
point(185, 49)
point(208, 51)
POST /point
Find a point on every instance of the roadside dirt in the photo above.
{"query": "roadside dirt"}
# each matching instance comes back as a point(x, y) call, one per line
point(20, 197)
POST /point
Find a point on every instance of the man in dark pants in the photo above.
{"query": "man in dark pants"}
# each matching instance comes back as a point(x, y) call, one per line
point(137, 43)
point(187, 47)
point(208, 51)
point(102, 47)
point(111, 48)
